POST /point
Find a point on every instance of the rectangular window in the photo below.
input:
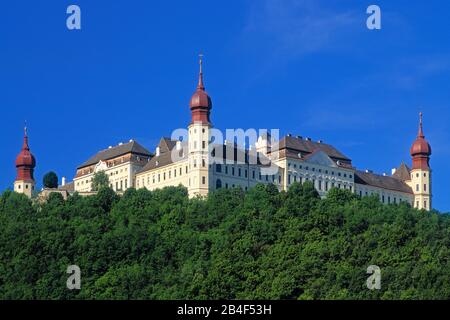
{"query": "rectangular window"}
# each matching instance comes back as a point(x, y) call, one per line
point(232, 171)
point(425, 187)
point(239, 172)
point(204, 144)
point(203, 180)
point(320, 185)
point(253, 174)
point(417, 187)
point(246, 173)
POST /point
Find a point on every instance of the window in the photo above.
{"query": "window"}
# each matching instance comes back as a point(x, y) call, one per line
point(253, 174)
point(424, 174)
point(382, 198)
point(425, 204)
point(232, 171)
point(186, 169)
point(226, 169)
point(174, 173)
point(425, 187)
point(239, 172)
point(246, 173)
point(204, 144)
point(218, 168)
point(218, 184)
point(326, 185)
point(417, 187)
point(203, 180)
point(203, 163)
point(164, 176)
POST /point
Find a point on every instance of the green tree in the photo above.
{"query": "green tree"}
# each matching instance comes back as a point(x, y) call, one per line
point(99, 181)
point(50, 180)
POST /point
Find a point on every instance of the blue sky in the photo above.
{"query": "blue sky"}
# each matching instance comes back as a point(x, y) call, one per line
point(307, 67)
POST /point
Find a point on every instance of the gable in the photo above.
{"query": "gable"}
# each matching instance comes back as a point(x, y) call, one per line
point(321, 158)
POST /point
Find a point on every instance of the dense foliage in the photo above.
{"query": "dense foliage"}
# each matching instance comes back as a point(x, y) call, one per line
point(262, 244)
point(50, 180)
point(100, 180)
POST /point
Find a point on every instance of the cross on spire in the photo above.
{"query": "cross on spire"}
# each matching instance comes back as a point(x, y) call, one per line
point(200, 77)
point(421, 126)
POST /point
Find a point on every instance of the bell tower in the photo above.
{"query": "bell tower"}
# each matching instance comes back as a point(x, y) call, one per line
point(198, 139)
point(25, 164)
point(421, 171)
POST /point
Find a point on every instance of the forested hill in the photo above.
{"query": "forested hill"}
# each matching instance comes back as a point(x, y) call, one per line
point(262, 244)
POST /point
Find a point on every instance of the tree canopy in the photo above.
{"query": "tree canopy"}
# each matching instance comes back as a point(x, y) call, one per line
point(50, 180)
point(260, 244)
point(100, 181)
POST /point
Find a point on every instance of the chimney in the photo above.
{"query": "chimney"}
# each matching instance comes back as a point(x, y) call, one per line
point(178, 145)
point(393, 171)
point(63, 182)
point(120, 143)
point(157, 151)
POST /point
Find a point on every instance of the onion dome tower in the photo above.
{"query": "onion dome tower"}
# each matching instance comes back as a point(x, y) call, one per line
point(25, 164)
point(199, 138)
point(421, 171)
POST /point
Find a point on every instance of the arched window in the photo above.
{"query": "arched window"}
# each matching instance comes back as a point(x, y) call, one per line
point(218, 184)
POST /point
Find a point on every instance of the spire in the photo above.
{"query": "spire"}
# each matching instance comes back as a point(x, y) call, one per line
point(200, 85)
point(420, 134)
point(25, 138)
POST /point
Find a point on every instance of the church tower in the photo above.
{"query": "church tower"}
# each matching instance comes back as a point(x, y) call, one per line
point(198, 138)
point(25, 164)
point(421, 171)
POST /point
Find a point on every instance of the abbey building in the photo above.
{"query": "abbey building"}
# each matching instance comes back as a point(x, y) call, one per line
point(203, 164)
